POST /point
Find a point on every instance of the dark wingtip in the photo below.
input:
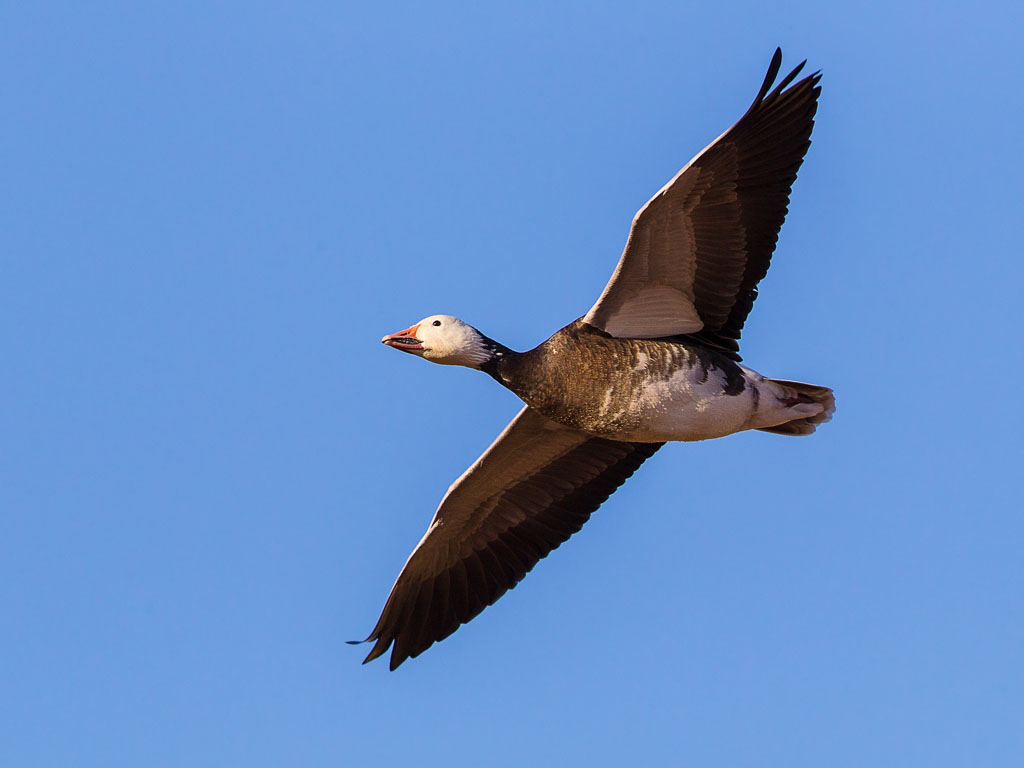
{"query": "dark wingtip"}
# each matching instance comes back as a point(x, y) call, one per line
point(769, 78)
point(379, 649)
point(773, 72)
point(788, 79)
point(375, 652)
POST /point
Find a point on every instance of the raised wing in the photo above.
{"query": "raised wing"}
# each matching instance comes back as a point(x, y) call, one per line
point(698, 249)
point(530, 491)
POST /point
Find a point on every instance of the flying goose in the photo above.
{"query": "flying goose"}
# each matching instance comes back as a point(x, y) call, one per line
point(655, 359)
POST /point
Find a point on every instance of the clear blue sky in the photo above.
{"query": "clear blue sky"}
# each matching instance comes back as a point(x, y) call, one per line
point(211, 470)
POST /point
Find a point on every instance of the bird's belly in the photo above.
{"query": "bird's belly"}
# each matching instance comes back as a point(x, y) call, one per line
point(687, 405)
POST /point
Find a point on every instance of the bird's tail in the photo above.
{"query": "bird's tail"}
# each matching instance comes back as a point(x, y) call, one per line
point(801, 393)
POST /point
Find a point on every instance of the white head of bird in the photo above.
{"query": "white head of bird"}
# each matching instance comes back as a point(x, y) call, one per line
point(444, 339)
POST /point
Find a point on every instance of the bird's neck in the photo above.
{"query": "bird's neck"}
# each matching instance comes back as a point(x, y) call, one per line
point(502, 362)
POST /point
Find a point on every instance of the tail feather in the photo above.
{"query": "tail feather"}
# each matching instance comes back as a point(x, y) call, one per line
point(815, 394)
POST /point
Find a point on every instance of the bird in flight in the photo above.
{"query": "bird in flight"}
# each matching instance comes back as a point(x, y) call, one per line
point(655, 359)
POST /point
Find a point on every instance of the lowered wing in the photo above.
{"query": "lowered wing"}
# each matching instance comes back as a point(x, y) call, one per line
point(531, 490)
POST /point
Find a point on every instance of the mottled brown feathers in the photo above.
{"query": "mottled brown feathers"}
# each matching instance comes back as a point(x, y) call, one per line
point(584, 378)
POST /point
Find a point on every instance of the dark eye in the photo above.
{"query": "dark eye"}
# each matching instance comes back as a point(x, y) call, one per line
point(436, 322)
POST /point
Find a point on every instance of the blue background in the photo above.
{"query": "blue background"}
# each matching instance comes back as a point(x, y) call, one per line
point(211, 470)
